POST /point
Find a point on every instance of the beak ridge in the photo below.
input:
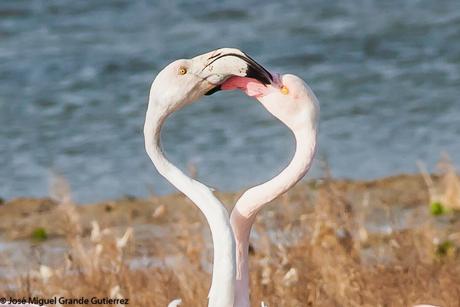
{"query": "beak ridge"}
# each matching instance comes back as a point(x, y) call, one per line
point(254, 69)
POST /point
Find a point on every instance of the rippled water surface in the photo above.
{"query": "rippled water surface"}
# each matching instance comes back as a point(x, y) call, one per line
point(75, 75)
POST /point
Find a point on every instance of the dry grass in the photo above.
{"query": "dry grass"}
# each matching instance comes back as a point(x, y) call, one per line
point(447, 191)
point(309, 251)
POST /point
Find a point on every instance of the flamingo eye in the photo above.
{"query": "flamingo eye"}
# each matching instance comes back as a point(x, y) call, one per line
point(182, 71)
point(284, 90)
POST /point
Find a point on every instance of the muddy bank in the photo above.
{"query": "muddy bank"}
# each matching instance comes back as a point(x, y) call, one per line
point(36, 230)
point(21, 217)
point(368, 231)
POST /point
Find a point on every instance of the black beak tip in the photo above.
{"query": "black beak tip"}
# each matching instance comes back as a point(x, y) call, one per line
point(213, 90)
point(258, 74)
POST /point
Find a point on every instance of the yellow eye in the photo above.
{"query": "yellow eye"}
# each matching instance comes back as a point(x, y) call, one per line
point(182, 71)
point(284, 90)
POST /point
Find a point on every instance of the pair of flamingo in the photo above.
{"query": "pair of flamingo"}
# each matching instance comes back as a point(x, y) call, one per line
point(287, 97)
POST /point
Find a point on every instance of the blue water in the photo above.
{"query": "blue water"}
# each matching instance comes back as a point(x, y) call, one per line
point(75, 75)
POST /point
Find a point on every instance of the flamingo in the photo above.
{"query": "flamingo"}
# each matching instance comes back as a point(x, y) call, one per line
point(178, 84)
point(290, 100)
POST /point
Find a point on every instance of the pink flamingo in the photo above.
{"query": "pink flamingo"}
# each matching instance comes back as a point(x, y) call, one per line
point(178, 84)
point(290, 100)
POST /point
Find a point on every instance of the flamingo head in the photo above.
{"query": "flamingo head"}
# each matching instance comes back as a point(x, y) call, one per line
point(184, 81)
point(287, 97)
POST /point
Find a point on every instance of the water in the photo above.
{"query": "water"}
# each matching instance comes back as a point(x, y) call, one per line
point(74, 80)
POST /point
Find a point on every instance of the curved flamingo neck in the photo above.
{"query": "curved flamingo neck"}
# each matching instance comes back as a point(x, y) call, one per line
point(256, 197)
point(252, 201)
point(222, 291)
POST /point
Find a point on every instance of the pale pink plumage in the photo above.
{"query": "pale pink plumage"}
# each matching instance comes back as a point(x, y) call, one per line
point(297, 107)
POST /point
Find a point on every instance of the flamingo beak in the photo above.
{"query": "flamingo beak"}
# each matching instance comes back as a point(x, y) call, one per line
point(224, 63)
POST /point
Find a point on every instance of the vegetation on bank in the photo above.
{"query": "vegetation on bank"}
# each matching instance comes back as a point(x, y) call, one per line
point(326, 243)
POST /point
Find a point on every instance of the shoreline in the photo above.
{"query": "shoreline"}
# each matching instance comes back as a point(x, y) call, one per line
point(19, 217)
